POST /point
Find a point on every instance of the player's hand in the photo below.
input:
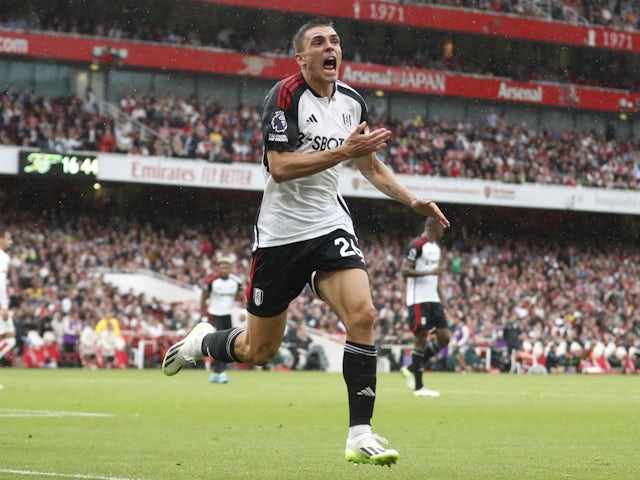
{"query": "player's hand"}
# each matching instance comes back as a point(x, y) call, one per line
point(428, 208)
point(363, 142)
point(436, 271)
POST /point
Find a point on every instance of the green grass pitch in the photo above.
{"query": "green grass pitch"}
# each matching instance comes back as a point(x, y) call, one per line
point(125, 425)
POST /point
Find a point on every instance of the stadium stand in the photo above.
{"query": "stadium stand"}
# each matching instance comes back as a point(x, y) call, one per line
point(487, 149)
point(571, 295)
point(558, 293)
point(418, 48)
point(597, 12)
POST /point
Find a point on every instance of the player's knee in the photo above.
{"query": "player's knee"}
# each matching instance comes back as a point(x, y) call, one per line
point(364, 319)
point(420, 339)
point(444, 337)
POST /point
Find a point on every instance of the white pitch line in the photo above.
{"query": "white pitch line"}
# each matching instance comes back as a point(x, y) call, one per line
point(20, 412)
point(64, 475)
point(533, 394)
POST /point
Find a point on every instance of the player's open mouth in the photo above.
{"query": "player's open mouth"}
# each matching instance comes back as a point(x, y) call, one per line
point(330, 63)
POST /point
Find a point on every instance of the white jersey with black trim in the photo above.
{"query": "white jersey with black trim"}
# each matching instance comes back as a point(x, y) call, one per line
point(297, 119)
point(222, 294)
point(426, 255)
point(5, 260)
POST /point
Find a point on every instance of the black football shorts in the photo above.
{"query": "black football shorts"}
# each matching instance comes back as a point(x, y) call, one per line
point(279, 274)
point(426, 316)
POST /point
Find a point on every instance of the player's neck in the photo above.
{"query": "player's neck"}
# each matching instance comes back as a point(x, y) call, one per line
point(324, 89)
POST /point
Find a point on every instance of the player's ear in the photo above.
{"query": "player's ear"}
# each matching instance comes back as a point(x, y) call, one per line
point(300, 59)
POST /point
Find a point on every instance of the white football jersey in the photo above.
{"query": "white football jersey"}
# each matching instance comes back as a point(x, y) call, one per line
point(295, 118)
point(426, 256)
point(4, 283)
point(222, 294)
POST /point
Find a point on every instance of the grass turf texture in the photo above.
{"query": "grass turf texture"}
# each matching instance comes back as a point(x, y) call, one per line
point(292, 425)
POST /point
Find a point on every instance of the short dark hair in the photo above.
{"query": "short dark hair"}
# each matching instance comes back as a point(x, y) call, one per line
point(316, 22)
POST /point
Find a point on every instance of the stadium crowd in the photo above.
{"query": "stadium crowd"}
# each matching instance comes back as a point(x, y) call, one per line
point(553, 304)
point(618, 15)
point(486, 148)
point(436, 51)
point(621, 14)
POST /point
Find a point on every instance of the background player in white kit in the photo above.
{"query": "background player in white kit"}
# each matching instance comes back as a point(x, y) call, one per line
point(311, 123)
point(7, 327)
point(422, 268)
point(220, 293)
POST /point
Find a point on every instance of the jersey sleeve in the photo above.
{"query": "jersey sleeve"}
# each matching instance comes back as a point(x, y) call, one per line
point(207, 284)
point(237, 280)
point(364, 113)
point(280, 116)
point(415, 248)
point(412, 251)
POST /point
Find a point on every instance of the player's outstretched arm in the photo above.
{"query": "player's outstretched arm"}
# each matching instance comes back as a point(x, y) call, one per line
point(385, 181)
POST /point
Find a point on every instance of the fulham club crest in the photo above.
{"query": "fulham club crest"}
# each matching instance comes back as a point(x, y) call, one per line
point(258, 296)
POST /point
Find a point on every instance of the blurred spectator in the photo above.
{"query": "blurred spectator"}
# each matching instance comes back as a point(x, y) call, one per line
point(462, 356)
point(106, 346)
point(108, 320)
point(87, 344)
point(108, 141)
point(297, 342)
point(71, 329)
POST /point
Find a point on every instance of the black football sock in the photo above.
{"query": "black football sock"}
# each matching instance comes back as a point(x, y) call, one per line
point(417, 360)
point(218, 366)
point(433, 347)
point(219, 345)
point(359, 371)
